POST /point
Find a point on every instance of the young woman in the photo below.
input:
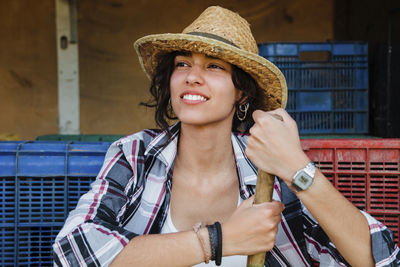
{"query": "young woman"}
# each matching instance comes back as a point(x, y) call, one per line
point(155, 187)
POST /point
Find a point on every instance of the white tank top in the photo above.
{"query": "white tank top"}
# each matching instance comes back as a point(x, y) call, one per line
point(229, 261)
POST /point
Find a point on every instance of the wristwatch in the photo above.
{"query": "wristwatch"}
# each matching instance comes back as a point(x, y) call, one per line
point(303, 178)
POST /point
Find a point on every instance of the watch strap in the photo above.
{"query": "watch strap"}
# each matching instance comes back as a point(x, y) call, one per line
point(310, 169)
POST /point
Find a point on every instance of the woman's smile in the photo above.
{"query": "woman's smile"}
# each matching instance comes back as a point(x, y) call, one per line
point(192, 97)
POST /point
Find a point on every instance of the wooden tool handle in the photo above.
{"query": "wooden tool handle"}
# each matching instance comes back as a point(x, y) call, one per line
point(264, 190)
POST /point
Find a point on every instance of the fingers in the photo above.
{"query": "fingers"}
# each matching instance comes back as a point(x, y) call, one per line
point(268, 211)
point(279, 114)
point(274, 144)
point(268, 217)
point(273, 205)
point(260, 116)
point(247, 203)
point(253, 227)
point(272, 208)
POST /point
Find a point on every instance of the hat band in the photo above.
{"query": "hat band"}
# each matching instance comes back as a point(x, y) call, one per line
point(213, 36)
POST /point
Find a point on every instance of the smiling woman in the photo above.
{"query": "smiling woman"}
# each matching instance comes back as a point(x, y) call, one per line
point(183, 195)
point(248, 88)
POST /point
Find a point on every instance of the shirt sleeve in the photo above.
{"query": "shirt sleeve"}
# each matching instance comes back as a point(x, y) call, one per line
point(384, 250)
point(321, 249)
point(93, 233)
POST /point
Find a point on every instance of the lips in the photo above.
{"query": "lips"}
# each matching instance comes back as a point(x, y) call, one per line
point(193, 97)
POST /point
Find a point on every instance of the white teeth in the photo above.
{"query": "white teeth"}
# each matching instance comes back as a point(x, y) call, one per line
point(194, 97)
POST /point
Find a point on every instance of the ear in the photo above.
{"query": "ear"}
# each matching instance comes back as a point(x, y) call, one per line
point(240, 96)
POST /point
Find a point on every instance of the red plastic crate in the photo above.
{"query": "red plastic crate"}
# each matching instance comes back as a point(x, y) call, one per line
point(365, 171)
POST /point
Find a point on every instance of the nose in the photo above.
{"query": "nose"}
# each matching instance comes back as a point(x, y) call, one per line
point(195, 75)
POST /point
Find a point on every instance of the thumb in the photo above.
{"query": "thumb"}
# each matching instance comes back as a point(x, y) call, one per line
point(247, 203)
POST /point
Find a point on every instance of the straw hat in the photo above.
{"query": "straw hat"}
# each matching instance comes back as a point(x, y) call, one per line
point(220, 33)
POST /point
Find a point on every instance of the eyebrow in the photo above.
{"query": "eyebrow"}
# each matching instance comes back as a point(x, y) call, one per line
point(211, 57)
point(189, 54)
point(183, 53)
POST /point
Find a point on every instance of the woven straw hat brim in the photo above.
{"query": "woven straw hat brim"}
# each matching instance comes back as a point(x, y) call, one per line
point(268, 76)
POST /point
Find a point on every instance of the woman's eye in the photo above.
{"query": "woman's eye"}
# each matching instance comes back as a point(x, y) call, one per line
point(215, 66)
point(180, 64)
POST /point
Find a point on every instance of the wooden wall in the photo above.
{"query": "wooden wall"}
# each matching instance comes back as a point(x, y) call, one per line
point(111, 81)
point(28, 74)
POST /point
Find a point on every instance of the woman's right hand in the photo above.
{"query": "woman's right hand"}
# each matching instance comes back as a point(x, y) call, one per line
point(252, 228)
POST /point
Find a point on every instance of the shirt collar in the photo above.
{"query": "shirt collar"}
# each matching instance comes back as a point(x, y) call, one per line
point(165, 153)
point(247, 171)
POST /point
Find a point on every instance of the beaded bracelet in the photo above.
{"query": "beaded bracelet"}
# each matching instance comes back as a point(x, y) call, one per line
point(196, 229)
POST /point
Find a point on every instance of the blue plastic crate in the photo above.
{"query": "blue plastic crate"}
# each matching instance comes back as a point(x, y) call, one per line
point(41, 200)
point(77, 186)
point(35, 245)
point(7, 251)
point(327, 83)
point(40, 182)
point(7, 201)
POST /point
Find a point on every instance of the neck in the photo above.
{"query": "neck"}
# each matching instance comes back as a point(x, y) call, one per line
point(205, 149)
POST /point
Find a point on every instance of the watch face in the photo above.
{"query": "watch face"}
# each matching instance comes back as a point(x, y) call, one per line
point(302, 181)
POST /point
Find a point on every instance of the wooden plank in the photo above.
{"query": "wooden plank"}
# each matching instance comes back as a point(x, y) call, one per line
point(68, 68)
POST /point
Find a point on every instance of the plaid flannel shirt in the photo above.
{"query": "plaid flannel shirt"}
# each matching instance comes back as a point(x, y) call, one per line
point(131, 197)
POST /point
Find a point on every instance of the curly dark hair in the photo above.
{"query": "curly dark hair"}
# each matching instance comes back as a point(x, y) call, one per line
point(160, 90)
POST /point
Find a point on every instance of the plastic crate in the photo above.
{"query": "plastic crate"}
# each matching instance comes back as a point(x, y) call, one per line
point(7, 243)
point(77, 186)
point(40, 182)
point(35, 245)
point(327, 84)
point(365, 171)
point(79, 137)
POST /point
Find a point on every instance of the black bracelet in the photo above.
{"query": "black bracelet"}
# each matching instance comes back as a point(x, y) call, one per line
point(212, 233)
point(218, 258)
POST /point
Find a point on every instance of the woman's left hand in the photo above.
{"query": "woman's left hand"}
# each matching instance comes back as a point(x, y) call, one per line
point(274, 145)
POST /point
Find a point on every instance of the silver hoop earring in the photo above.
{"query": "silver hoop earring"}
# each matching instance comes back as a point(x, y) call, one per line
point(243, 109)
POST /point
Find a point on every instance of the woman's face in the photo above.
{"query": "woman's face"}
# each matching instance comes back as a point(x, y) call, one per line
point(202, 91)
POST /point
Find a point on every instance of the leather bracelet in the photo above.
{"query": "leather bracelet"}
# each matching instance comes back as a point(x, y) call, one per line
point(218, 257)
point(212, 233)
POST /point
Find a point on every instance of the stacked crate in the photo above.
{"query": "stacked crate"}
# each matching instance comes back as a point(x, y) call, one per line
point(327, 84)
point(40, 182)
point(328, 96)
point(365, 171)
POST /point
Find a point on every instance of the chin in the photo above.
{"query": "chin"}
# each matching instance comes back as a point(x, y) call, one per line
point(194, 121)
point(205, 118)
point(202, 122)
